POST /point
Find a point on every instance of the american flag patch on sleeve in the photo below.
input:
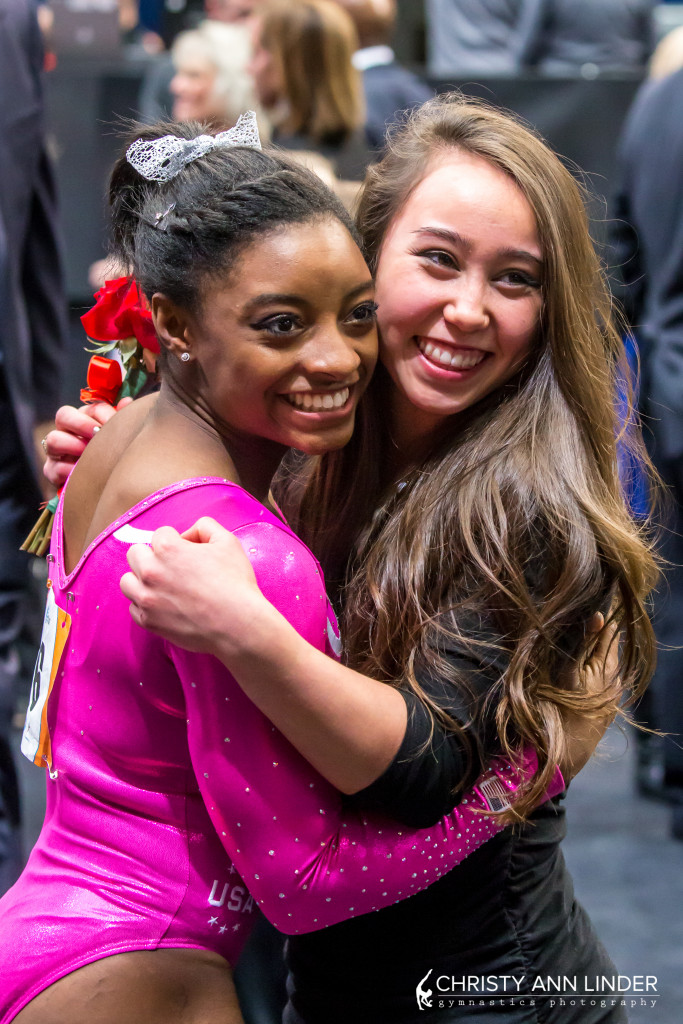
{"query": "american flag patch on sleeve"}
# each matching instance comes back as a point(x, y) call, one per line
point(496, 796)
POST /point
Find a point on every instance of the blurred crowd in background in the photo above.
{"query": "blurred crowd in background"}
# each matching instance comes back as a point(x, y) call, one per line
point(601, 79)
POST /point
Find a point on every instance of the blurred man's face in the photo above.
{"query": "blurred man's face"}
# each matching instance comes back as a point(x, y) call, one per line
point(230, 10)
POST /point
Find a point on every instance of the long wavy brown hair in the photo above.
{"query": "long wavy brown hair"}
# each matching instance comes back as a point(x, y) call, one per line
point(313, 41)
point(502, 543)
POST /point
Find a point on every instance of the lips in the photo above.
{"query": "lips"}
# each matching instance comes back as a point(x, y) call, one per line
point(310, 401)
point(449, 358)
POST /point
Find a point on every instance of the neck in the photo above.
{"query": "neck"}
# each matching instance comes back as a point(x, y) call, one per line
point(248, 461)
point(413, 433)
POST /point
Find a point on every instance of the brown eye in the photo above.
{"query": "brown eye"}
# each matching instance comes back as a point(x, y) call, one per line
point(519, 279)
point(280, 325)
point(439, 258)
point(366, 313)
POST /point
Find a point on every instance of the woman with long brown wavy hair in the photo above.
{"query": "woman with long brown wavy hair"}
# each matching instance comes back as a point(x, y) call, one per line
point(475, 523)
point(307, 84)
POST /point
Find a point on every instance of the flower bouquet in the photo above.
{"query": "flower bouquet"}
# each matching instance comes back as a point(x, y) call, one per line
point(124, 349)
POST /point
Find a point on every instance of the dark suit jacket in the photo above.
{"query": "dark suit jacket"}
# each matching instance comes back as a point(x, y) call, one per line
point(647, 248)
point(389, 90)
point(559, 36)
point(32, 306)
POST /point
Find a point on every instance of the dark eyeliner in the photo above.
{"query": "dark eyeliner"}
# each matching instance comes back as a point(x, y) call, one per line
point(367, 307)
point(428, 254)
point(268, 323)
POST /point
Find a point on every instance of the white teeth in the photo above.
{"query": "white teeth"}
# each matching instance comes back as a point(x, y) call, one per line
point(316, 403)
point(458, 360)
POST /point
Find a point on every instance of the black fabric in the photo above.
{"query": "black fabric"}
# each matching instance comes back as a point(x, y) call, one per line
point(435, 766)
point(349, 156)
point(509, 909)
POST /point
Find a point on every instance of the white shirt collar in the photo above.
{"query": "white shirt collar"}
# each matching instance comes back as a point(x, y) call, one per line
point(372, 57)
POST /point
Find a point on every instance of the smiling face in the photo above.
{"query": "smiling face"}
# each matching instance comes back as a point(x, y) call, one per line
point(458, 290)
point(192, 88)
point(287, 345)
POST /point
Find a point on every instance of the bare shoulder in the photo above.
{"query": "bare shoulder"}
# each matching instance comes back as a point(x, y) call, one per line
point(136, 454)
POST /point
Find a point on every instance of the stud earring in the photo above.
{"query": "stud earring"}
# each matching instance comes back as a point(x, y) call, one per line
point(185, 357)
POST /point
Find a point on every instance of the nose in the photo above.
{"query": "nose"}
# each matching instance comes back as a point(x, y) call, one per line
point(331, 355)
point(465, 307)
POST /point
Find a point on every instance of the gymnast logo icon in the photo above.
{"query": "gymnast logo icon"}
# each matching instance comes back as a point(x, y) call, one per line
point(424, 995)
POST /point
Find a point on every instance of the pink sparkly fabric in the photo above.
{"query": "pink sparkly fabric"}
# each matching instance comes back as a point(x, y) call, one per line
point(173, 803)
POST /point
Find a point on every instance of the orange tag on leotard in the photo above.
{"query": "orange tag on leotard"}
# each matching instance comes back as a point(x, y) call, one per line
point(35, 742)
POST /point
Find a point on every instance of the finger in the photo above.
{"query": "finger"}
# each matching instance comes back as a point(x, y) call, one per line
point(137, 615)
point(123, 403)
point(83, 422)
point(164, 539)
point(141, 559)
point(595, 623)
point(57, 471)
point(606, 646)
point(131, 587)
point(101, 412)
point(205, 531)
point(59, 444)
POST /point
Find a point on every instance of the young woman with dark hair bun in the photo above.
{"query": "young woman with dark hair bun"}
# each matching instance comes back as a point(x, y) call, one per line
point(173, 805)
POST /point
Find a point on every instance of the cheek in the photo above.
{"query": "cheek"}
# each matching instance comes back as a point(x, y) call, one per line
point(205, 87)
point(406, 299)
point(521, 327)
point(397, 303)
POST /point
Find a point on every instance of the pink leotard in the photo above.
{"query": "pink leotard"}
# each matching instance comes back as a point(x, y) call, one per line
point(172, 802)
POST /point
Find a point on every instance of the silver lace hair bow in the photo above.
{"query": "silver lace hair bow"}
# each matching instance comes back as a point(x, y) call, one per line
point(161, 159)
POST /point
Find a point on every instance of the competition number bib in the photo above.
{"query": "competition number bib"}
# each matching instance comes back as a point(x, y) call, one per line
point(35, 742)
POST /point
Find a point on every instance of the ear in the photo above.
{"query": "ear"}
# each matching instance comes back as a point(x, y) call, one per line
point(173, 325)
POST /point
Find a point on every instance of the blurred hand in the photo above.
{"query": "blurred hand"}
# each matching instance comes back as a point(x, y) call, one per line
point(73, 429)
point(41, 431)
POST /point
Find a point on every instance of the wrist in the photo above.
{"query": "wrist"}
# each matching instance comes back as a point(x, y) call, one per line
point(253, 637)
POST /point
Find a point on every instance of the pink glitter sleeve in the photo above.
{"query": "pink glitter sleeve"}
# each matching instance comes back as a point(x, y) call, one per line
point(308, 860)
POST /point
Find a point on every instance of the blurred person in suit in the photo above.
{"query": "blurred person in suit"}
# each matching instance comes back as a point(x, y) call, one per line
point(555, 37)
point(389, 88)
point(32, 338)
point(306, 82)
point(479, 36)
point(566, 37)
point(646, 231)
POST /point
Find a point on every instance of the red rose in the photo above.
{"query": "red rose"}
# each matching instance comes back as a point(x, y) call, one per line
point(119, 312)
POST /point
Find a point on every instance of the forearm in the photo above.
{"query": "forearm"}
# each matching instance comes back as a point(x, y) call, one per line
point(348, 726)
point(308, 860)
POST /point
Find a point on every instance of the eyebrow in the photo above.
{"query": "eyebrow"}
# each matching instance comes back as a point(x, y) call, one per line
point(272, 298)
point(457, 240)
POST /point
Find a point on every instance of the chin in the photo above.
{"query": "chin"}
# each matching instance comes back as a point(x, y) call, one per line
point(323, 445)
